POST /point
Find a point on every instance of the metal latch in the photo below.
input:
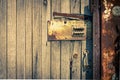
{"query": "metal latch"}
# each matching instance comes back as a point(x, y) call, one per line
point(85, 60)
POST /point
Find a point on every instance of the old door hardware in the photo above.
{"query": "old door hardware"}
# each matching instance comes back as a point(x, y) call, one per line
point(116, 10)
point(66, 26)
point(85, 60)
point(66, 30)
point(71, 16)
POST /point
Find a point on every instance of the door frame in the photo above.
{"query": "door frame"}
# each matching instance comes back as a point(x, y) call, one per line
point(95, 8)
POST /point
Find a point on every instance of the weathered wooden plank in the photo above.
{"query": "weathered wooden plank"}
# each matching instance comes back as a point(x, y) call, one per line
point(65, 46)
point(55, 47)
point(55, 60)
point(75, 6)
point(96, 41)
point(45, 44)
point(20, 39)
point(37, 37)
point(87, 44)
point(28, 43)
point(85, 7)
point(65, 60)
point(76, 60)
point(3, 55)
point(83, 71)
point(76, 45)
point(11, 38)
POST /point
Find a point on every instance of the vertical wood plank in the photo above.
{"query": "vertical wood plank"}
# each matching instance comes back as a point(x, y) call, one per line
point(3, 39)
point(28, 43)
point(96, 41)
point(84, 4)
point(75, 6)
point(55, 47)
point(76, 45)
point(85, 7)
point(65, 46)
point(76, 60)
point(20, 39)
point(55, 60)
point(37, 39)
point(87, 44)
point(45, 44)
point(11, 38)
point(65, 60)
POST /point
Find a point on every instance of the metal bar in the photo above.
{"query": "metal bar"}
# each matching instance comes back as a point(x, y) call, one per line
point(77, 16)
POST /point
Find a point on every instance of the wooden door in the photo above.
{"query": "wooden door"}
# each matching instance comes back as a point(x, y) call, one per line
point(25, 51)
point(69, 54)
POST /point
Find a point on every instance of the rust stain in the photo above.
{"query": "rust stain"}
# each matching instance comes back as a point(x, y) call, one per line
point(109, 40)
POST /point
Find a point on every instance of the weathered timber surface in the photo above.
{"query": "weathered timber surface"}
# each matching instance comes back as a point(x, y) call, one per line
point(25, 51)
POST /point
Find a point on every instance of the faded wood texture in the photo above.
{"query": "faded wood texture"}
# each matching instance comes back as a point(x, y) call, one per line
point(55, 46)
point(65, 46)
point(36, 39)
point(28, 39)
point(11, 39)
point(75, 46)
point(20, 39)
point(24, 49)
point(3, 39)
point(87, 44)
point(96, 40)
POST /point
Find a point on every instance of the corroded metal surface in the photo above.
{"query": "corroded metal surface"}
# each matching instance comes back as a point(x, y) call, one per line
point(110, 34)
point(66, 30)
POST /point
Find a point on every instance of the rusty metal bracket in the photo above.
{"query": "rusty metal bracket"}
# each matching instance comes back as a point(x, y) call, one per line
point(71, 16)
point(66, 30)
point(66, 26)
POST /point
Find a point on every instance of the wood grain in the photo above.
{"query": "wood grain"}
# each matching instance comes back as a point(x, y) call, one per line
point(3, 40)
point(25, 51)
point(37, 37)
point(55, 46)
point(76, 45)
point(11, 39)
point(20, 39)
point(65, 46)
point(87, 44)
point(45, 44)
point(96, 41)
point(28, 38)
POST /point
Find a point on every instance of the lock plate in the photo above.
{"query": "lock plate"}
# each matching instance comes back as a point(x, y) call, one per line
point(66, 30)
